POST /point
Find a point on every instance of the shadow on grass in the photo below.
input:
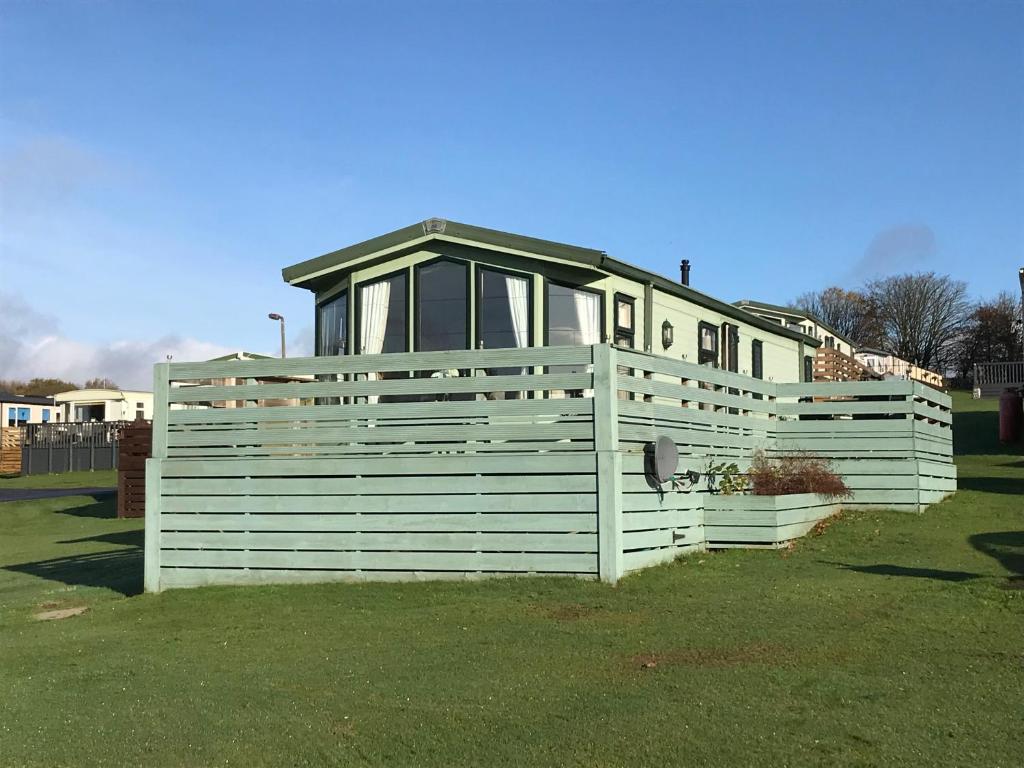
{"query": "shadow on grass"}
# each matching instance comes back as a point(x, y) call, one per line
point(120, 571)
point(103, 506)
point(1010, 485)
point(1006, 547)
point(121, 538)
point(888, 569)
point(976, 433)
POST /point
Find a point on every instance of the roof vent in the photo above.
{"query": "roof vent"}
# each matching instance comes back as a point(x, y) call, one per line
point(434, 225)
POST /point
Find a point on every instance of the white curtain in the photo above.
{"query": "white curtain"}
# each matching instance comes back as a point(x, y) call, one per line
point(518, 289)
point(376, 298)
point(588, 315)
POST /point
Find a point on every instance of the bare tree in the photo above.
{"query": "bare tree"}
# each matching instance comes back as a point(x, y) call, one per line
point(850, 313)
point(921, 315)
point(990, 335)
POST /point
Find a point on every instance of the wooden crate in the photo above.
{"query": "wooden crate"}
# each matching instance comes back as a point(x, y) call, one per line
point(135, 445)
point(10, 451)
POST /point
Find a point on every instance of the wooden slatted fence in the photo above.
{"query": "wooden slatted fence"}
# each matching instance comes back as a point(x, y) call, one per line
point(10, 450)
point(135, 444)
point(442, 465)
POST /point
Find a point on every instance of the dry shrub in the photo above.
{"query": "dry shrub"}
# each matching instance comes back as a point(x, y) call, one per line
point(798, 472)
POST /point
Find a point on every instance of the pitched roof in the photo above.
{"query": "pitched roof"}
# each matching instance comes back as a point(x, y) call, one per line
point(795, 313)
point(10, 397)
point(415, 235)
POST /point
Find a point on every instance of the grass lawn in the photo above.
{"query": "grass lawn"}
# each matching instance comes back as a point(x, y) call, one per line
point(891, 639)
point(103, 478)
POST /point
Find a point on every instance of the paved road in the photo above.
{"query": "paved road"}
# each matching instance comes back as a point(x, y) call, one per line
point(27, 494)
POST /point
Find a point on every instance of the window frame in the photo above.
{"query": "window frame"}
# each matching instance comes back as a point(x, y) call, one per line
point(702, 325)
point(621, 330)
point(347, 293)
point(757, 359)
point(415, 291)
point(358, 329)
point(547, 307)
point(478, 281)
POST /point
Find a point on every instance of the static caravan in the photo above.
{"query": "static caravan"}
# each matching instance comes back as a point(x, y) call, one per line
point(441, 285)
point(801, 322)
point(487, 404)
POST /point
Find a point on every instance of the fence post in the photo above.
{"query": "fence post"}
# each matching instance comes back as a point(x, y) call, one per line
point(609, 463)
point(154, 470)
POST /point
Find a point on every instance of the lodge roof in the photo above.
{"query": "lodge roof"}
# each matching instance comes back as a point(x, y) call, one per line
point(795, 313)
point(394, 243)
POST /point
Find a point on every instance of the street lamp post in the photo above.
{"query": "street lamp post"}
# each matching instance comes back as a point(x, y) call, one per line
point(1020, 277)
point(275, 316)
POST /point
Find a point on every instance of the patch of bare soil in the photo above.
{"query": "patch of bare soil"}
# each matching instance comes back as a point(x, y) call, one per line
point(60, 613)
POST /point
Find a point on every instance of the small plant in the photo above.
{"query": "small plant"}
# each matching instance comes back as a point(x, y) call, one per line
point(732, 480)
point(798, 472)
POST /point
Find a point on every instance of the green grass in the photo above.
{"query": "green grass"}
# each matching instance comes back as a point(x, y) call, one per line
point(891, 639)
point(104, 478)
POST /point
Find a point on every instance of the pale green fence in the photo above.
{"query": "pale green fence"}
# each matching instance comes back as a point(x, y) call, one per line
point(464, 464)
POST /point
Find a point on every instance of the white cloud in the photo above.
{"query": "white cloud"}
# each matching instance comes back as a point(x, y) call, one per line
point(32, 345)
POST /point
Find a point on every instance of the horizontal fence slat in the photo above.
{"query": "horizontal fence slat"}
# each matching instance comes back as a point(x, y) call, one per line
point(407, 387)
point(553, 407)
point(425, 465)
point(379, 485)
point(425, 520)
point(513, 562)
point(521, 501)
point(404, 361)
point(403, 541)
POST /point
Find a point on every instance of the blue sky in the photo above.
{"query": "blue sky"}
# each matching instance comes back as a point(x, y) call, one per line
point(162, 161)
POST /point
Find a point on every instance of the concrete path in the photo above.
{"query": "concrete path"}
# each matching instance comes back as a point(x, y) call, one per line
point(27, 494)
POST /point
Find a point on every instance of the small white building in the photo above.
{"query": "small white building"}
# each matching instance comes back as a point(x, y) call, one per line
point(19, 410)
point(104, 405)
point(886, 364)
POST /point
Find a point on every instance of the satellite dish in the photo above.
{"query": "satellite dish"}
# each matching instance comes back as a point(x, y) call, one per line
point(662, 459)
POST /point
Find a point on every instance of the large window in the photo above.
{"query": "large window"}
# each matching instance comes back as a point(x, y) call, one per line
point(332, 326)
point(383, 325)
point(573, 316)
point(442, 306)
point(504, 306)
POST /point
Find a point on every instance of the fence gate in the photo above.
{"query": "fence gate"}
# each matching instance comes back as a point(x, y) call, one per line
point(134, 447)
point(70, 447)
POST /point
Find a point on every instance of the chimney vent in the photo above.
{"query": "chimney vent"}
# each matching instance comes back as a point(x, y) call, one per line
point(684, 271)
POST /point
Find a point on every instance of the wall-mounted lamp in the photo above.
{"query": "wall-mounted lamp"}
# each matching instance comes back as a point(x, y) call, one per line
point(667, 332)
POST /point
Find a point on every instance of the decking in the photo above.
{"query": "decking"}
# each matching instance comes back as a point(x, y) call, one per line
point(475, 463)
point(990, 379)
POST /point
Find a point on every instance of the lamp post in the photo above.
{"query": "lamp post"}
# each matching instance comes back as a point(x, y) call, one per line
point(1020, 277)
point(275, 316)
